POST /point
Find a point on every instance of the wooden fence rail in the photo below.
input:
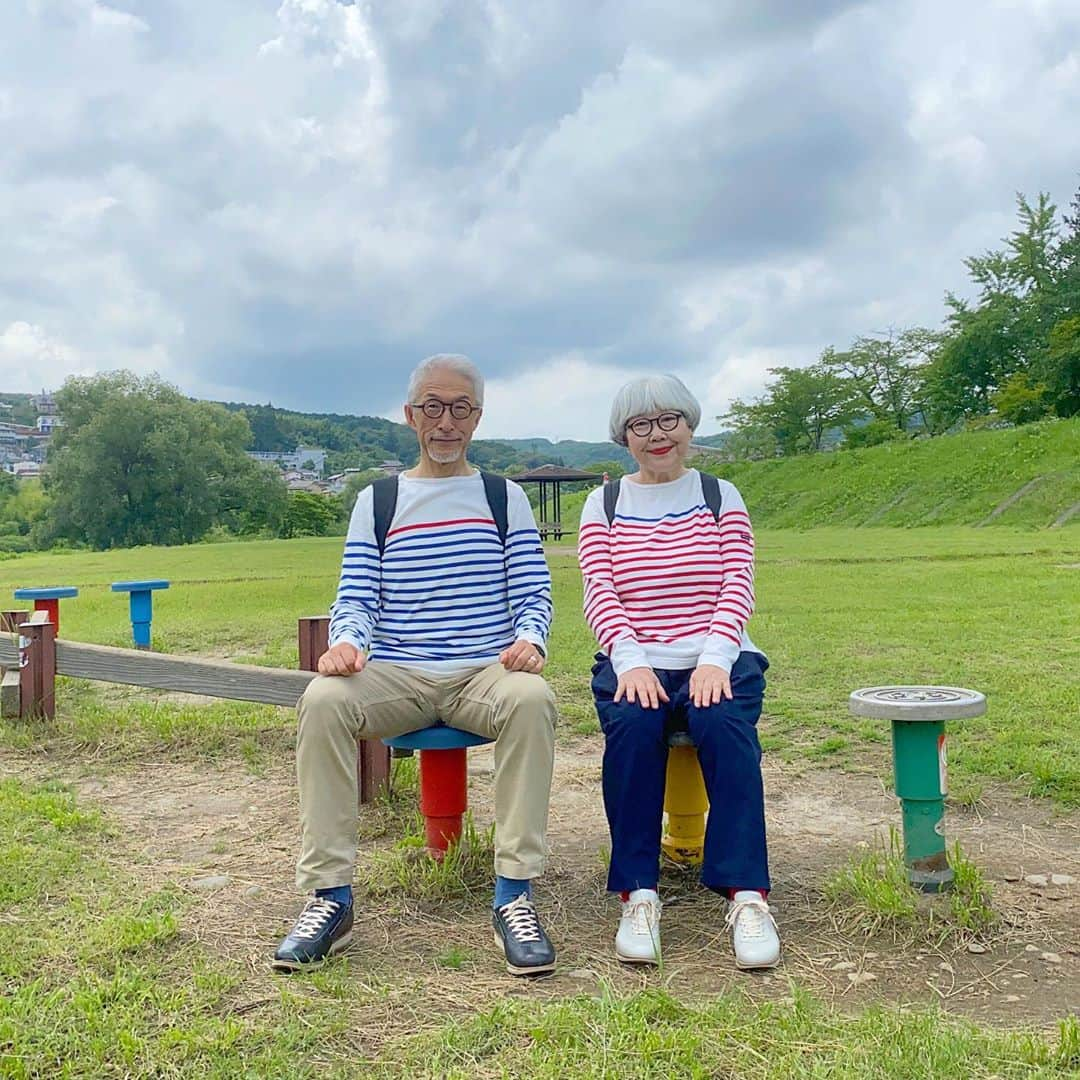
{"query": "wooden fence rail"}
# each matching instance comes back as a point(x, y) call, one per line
point(36, 657)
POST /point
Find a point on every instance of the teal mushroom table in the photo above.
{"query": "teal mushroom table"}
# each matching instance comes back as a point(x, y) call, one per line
point(918, 715)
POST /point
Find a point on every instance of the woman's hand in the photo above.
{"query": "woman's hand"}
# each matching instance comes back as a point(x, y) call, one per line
point(640, 685)
point(709, 685)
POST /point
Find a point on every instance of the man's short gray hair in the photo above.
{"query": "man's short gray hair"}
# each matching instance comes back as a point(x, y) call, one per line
point(651, 394)
point(455, 362)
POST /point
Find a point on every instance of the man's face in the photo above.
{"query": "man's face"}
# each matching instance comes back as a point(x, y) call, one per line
point(446, 438)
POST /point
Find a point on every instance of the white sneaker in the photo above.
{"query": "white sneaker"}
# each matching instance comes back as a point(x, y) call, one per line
point(753, 931)
point(638, 939)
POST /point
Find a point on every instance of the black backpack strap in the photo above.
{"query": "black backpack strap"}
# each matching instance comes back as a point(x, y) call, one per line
point(611, 497)
point(710, 488)
point(384, 496)
point(495, 491)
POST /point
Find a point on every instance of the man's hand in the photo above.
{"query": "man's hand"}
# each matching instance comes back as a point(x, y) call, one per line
point(641, 685)
point(522, 656)
point(709, 685)
point(342, 659)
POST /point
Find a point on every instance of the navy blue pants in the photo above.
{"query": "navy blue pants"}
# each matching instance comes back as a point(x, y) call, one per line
point(635, 766)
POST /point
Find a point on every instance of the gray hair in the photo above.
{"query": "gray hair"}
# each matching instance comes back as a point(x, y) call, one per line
point(651, 394)
point(455, 362)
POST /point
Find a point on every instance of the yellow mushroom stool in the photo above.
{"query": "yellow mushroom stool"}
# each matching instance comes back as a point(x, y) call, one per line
point(685, 803)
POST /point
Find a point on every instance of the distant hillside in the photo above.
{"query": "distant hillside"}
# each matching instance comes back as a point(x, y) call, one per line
point(1027, 476)
point(571, 452)
point(365, 441)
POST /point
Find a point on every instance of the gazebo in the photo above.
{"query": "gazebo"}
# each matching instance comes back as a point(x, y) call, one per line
point(551, 527)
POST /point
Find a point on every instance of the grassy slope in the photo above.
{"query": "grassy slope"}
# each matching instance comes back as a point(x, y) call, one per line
point(952, 480)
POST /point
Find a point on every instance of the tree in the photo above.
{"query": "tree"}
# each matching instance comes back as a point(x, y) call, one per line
point(1020, 401)
point(1006, 330)
point(886, 372)
point(799, 407)
point(139, 463)
point(309, 514)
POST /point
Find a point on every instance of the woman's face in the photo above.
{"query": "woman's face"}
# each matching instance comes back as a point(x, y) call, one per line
point(659, 441)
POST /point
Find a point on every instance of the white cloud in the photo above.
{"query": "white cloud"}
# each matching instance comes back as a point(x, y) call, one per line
point(32, 360)
point(297, 201)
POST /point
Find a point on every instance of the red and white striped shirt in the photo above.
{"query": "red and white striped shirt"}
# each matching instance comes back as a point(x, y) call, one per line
point(666, 585)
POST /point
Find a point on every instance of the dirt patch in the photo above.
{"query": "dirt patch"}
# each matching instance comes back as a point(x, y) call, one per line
point(184, 824)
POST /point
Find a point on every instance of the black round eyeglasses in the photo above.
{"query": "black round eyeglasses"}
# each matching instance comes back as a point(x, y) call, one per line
point(642, 427)
point(459, 410)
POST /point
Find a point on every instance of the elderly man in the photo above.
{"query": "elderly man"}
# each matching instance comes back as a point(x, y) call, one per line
point(442, 613)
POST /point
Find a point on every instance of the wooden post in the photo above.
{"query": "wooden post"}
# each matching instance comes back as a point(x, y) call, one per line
point(37, 668)
point(372, 758)
point(11, 683)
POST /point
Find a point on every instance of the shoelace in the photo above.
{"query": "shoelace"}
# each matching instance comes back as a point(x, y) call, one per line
point(315, 916)
point(521, 919)
point(644, 915)
point(751, 916)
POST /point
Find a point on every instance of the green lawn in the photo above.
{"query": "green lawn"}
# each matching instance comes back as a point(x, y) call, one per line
point(996, 610)
point(106, 983)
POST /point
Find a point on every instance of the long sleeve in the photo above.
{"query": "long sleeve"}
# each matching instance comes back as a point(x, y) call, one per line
point(355, 611)
point(735, 604)
point(528, 581)
point(604, 611)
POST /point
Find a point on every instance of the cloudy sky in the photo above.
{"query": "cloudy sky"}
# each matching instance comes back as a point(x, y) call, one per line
point(295, 201)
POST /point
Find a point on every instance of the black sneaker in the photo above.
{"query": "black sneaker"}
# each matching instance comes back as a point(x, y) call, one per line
point(518, 933)
point(324, 928)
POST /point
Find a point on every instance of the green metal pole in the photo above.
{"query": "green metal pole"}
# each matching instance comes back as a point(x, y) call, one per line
point(918, 715)
point(919, 766)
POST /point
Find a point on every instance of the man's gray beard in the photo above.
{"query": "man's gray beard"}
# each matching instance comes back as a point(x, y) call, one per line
point(445, 457)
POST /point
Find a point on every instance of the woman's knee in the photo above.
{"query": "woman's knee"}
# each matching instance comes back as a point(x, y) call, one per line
point(629, 720)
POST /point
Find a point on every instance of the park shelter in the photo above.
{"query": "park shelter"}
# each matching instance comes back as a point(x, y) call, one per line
point(549, 477)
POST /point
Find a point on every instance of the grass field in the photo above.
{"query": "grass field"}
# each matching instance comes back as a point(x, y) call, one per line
point(110, 979)
point(996, 610)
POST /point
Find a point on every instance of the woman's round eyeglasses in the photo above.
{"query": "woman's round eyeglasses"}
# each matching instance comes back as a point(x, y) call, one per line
point(642, 426)
point(459, 410)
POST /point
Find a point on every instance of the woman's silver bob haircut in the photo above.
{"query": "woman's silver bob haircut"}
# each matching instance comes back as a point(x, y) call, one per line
point(455, 362)
point(652, 394)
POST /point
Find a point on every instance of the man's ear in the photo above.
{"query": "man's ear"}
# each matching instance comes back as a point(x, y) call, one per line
point(408, 410)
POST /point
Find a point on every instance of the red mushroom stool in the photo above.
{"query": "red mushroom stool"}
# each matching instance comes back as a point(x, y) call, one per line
point(444, 793)
point(48, 600)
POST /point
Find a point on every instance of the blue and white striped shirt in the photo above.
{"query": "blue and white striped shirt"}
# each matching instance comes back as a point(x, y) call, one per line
point(445, 596)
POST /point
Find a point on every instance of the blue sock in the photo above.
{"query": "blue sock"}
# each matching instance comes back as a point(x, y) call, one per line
point(341, 893)
point(508, 888)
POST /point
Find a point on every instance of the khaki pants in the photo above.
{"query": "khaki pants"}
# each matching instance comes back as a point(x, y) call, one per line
point(515, 709)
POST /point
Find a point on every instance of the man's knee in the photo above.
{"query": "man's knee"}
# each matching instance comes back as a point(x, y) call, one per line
point(525, 697)
point(324, 703)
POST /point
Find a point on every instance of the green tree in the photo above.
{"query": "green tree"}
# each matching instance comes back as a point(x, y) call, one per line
point(800, 406)
point(886, 372)
point(139, 463)
point(1020, 400)
point(309, 514)
point(1005, 331)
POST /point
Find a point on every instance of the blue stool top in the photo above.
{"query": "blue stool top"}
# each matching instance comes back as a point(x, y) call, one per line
point(139, 586)
point(56, 592)
point(439, 737)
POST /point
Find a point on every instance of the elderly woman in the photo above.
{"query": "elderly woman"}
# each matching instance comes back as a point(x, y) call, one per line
point(669, 588)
